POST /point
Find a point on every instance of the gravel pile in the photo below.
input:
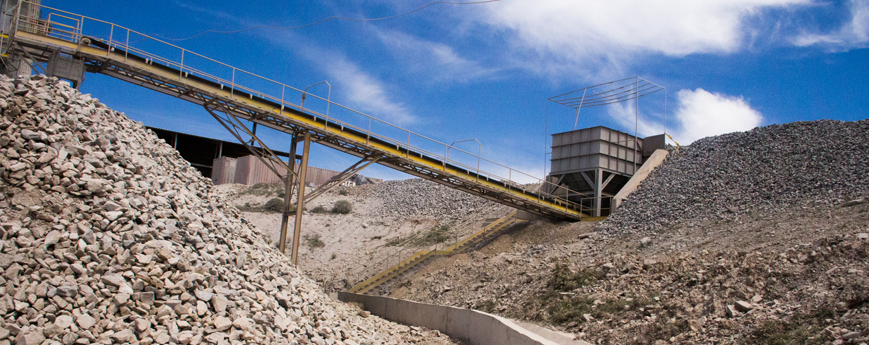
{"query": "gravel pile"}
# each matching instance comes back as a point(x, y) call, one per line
point(810, 291)
point(108, 236)
point(768, 169)
point(421, 198)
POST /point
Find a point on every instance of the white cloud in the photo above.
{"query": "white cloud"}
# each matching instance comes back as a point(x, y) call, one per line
point(433, 59)
point(593, 34)
point(627, 118)
point(364, 91)
point(854, 34)
point(702, 114)
point(352, 86)
point(698, 114)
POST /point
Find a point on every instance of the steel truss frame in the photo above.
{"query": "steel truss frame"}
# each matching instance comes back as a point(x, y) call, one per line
point(272, 119)
point(233, 124)
point(341, 177)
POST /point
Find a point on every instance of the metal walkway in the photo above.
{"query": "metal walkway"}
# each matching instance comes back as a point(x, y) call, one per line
point(232, 95)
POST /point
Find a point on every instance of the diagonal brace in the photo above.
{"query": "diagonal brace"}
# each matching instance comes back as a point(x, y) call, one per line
point(341, 177)
point(266, 155)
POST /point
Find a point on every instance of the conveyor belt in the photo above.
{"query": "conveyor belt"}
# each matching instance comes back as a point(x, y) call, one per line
point(145, 69)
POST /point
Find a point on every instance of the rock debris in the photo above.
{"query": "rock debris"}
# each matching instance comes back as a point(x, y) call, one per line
point(108, 236)
point(421, 198)
point(767, 169)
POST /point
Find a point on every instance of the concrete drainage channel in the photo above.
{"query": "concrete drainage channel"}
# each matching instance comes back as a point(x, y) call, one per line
point(476, 327)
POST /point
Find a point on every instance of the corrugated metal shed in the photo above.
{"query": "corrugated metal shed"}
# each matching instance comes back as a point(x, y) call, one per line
point(223, 170)
point(249, 170)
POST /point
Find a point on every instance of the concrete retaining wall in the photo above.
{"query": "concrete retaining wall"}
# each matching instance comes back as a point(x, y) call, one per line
point(476, 327)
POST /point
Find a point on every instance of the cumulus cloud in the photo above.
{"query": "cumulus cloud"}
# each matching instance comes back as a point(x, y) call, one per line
point(702, 114)
point(699, 113)
point(590, 33)
point(627, 118)
point(853, 34)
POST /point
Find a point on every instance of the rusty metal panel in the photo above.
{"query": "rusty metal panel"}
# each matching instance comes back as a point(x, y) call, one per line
point(223, 170)
point(242, 170)
point(249, 170)
point(318, 176)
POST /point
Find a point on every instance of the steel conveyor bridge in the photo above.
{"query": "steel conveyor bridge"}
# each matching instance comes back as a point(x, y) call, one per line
point(236, 97)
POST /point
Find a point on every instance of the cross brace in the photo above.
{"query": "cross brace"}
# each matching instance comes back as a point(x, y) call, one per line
point(341, 177)
point(234, 125)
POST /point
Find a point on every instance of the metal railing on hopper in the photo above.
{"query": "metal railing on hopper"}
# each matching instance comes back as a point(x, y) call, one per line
point(78, 29)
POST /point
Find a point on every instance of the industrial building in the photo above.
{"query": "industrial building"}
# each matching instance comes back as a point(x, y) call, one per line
point(595, 163)
point(232, 162)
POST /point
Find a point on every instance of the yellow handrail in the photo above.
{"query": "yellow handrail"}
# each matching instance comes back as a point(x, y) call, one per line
point(393, 271)
point(119, 37)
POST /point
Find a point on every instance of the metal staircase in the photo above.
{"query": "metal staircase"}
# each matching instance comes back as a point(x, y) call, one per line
point(488, 232)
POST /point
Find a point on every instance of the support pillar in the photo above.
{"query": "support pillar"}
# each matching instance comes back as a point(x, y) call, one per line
point(288, 196)
point(24, 67)
point(300, 205)
point(598, 189)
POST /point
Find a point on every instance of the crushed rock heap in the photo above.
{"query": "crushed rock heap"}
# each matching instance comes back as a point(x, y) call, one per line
point(108, 236)
point(767, 169)
point(402, 199)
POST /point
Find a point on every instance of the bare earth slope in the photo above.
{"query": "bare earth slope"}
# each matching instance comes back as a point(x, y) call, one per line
point(108, 236)
point(757, 237)
point(353, 247)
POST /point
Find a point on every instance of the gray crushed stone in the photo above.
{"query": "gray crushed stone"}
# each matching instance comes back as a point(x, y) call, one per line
point(772, 168)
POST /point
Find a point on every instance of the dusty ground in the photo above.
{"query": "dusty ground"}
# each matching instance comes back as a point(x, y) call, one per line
point(797, 276)
point(353, 246)
point(793, 276)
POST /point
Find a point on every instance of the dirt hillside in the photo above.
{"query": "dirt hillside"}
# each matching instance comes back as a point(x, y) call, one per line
point(757, 237)
point(340, 250)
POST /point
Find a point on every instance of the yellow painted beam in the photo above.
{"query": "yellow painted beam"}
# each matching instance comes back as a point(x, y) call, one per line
point(227, 94)
point(593, 219)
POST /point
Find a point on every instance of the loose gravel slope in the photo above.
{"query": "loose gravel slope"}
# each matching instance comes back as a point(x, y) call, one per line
point(108, 236)
point(765, 170)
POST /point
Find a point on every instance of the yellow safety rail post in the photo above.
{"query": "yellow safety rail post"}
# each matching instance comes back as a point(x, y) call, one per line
point(482, 231)
point(367, 284)
point(423, 255)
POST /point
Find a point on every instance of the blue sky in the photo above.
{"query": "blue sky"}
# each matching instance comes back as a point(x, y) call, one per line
point(484, 71)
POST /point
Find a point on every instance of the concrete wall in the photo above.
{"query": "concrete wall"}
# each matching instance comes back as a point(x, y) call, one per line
point(653, 162)
point(476, 327)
